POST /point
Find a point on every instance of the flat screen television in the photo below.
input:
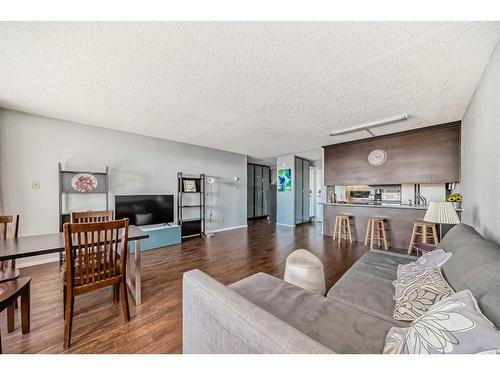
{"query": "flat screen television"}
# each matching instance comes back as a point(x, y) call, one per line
point(145, 209)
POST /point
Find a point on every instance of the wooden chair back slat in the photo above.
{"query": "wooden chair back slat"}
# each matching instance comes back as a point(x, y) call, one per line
point(93, 254)
point(98, 254)
point(91, 216)
point(5, 220)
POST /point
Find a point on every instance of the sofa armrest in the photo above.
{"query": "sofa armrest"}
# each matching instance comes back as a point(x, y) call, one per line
point(217, 319)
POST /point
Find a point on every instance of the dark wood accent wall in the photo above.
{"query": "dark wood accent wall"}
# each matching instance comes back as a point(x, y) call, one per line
point(426, 155)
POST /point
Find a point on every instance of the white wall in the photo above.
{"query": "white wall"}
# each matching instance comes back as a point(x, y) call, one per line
point(480, 171)
point(31, 146)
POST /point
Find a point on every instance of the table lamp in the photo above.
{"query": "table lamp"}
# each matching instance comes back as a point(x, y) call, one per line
point(441, 213)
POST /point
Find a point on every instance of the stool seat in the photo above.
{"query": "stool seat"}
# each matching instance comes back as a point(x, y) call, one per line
point(305, 270)
point(375, 231)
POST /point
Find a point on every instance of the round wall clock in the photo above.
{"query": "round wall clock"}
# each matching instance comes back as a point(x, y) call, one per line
point(377, 157)
point(83, 182)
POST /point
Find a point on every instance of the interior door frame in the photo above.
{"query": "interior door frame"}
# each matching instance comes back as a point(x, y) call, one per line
point(255, 190)
point(302, 192)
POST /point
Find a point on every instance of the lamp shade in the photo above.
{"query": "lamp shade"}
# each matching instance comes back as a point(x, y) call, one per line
point(441, 213)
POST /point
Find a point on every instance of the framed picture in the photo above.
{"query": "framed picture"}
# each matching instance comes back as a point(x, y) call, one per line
point(284, 180)
point(189, 186)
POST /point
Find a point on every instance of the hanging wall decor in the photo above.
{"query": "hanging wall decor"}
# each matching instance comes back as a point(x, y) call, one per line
point(284, 180)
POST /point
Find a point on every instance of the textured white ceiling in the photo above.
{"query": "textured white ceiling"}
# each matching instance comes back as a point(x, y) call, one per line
point(256, 88)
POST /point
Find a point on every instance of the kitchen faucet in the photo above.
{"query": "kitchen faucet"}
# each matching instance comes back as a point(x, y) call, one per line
point(420, 198)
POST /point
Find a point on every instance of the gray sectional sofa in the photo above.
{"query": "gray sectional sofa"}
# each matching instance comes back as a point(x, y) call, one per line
point(264, 314)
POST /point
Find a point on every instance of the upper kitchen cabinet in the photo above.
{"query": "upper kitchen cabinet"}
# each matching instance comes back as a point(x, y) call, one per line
point(426, 155)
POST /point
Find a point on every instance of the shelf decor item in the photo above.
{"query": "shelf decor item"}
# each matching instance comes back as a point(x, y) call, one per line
point(456, 199)
point(84, 182)
point(284, 180)
point(189, 186)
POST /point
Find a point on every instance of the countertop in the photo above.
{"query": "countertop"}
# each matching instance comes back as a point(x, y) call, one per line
point(400, 206)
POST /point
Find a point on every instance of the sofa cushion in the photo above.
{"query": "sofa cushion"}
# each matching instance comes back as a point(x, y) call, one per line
point(475, 265)
point(417, 292)
point(368, 283)
point(336, 325)
point(454, 325)
point(435, 258)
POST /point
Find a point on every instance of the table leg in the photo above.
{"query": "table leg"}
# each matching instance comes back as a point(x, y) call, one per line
point(135, 287)
point(10, 317)
point(25, 309)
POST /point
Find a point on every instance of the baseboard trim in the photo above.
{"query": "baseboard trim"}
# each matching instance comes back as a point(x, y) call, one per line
point(37, 262)
point(228, 228)
point(286, 225)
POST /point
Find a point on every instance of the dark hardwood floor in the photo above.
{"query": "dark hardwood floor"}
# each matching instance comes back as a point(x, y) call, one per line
point(156, 325)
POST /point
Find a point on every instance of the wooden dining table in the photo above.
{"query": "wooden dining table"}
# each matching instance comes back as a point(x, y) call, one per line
point(30, 246)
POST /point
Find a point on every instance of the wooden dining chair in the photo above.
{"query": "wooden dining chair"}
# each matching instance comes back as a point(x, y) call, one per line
point(94, 261)
point(5, 220)
point(10, 291)
point(9, 274)
point(88, 217)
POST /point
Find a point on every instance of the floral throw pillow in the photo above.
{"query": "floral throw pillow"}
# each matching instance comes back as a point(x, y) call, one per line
point(435, 258)
point(453, 326)
point(416, 292)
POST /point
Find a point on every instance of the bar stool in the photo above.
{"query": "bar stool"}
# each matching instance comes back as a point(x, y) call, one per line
point(424, 234)
point(342, 229)
point(375, 231)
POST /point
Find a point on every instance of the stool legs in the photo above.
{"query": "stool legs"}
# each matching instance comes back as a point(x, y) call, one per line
point(372, 234)
point(367, 235)
point(434, 234)
point(412, 239)
point(335, 227)
point(384, 238)
point(342, 229)
point(424, 234)
point(375, 231)
point(349, 230)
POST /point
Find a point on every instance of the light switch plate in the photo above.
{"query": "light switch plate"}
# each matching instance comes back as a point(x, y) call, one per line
point(36, 184)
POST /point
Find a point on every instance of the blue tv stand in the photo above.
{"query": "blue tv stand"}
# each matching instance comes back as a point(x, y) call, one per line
point(159, 236)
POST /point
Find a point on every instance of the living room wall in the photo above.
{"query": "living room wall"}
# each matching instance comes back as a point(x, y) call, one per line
point(31, 147)
point(481, 154)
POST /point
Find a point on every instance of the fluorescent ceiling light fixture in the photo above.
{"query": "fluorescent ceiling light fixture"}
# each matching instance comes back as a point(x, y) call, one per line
point(369, 125)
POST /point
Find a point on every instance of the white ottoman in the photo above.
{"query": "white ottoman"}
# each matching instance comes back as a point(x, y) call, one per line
point(305, 270)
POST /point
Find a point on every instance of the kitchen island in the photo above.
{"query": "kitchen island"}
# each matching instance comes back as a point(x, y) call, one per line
point(399, 220)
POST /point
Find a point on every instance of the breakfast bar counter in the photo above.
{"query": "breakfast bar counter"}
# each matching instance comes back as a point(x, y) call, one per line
point(399, 220)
